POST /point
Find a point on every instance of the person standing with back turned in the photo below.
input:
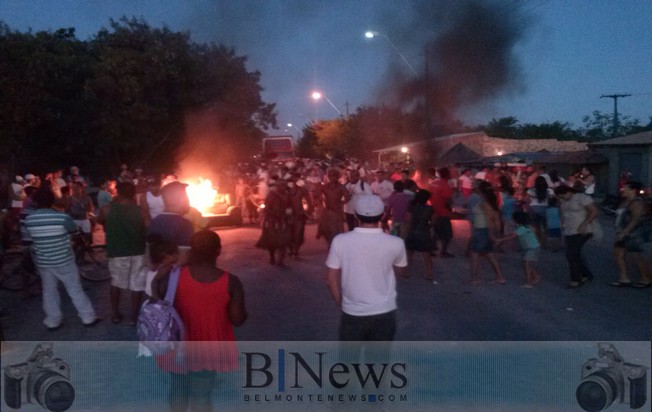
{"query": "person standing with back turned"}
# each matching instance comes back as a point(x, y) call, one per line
point(362, 266)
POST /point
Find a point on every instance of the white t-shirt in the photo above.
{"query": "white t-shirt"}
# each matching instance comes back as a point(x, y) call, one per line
point(356, 189)
point(155, 205)
point(574, 212)
point(383, 189)
point(366, 257)
point(466, 182)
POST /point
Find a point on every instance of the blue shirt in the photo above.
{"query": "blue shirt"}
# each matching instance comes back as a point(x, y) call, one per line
point(172, 228)
point(526, 237)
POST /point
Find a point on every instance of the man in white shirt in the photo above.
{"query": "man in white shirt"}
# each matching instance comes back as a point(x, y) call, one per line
point(382, 186)
point(362, 266)
point(355, 187)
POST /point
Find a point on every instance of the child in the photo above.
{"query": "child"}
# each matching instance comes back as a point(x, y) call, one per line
point(529, 244)
point(553, 224)
point(162, 255)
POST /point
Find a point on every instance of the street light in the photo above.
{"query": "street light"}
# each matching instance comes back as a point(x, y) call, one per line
point(316, 95)
point(372, 34)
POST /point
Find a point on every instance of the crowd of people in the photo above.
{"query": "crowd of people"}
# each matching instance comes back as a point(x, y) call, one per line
point(538, 208)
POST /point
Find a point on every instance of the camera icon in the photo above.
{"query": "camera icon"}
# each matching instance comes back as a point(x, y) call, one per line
point(42, 379)
point(608, 378)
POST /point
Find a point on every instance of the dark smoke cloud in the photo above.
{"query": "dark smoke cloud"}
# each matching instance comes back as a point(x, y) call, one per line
point(469, 54)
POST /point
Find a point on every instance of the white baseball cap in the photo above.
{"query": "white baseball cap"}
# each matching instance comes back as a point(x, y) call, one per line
point(369, 205)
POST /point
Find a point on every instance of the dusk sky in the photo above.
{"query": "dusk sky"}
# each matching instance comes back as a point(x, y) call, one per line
point(557, 56)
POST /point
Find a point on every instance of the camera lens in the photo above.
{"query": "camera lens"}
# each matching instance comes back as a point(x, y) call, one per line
point(596, 392)
point(54, 392)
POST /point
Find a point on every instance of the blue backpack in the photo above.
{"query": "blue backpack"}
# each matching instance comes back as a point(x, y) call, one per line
point(159, 325)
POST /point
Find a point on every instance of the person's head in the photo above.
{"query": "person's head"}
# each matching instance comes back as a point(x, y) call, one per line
point(503, 183)
point(77, 188)
point(354, 176)
point(369, 208)
point(175, 198)
point(586, 171)
point(521, 218)
point(632, 189)
point(154, 185)
point(466, 172)
point(205, 247)
point(431, 172)
point(380, 175)
point(399, 186)
point(444, 173)
point(43, 198)
point(485, 190)
point(333, 175)
point(126, 190)
point(161, 251)
point(565, 192)
point(421, 197)
point(74, 170)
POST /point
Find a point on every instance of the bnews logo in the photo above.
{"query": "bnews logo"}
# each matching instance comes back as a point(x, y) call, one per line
point(313, 370)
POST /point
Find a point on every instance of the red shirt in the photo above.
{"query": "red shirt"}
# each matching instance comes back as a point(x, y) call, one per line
point(203, 308)
point(441, 198)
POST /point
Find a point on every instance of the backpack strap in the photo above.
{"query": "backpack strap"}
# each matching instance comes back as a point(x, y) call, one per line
point(172, 284)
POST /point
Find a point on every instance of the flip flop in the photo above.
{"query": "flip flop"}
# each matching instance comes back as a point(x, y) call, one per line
point(619, 284)
point(640, 285)
point(116, 318)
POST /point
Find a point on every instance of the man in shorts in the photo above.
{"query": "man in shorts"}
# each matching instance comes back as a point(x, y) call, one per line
point(124, 223)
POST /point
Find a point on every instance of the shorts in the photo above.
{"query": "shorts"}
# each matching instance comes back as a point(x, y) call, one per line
point(531, 255)
point(480, 242)
point(128, 272)
point(443, 228)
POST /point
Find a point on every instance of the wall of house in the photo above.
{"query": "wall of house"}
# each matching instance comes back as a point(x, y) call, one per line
point(617, 157)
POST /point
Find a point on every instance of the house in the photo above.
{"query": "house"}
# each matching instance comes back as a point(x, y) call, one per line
point(632, 153)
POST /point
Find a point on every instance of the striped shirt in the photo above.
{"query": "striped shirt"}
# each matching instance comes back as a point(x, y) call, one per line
point(50, 231)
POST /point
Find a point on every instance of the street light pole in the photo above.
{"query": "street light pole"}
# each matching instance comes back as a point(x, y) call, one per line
point(372, 34)
point(319, 95)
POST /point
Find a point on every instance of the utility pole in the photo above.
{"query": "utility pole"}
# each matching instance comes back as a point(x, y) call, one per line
point(615, 97)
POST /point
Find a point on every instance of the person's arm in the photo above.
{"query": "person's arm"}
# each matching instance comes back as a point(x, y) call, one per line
point(333, 281)
point(591, 214)
point(511, 236)
point(237, 311)
point(636, 210)
point(401, 271)
point(160, 282)
point(104, 212)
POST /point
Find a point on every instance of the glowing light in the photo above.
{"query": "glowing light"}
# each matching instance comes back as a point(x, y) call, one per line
point(316, 95)
point(202, 195)
point(499, 153)
point(404, 149)
point(370, 35)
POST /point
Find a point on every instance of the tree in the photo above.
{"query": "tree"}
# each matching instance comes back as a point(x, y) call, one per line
point(599, 126)
point(42, 106)
point(504, 127)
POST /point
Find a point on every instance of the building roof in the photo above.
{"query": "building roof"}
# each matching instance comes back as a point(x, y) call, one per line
point(546, 157)
point(637, 139)
point(460, 153)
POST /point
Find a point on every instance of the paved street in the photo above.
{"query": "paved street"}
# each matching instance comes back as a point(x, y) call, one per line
point(293, 303)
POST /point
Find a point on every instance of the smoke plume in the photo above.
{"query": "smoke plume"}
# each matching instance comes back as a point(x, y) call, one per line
point(469, 59)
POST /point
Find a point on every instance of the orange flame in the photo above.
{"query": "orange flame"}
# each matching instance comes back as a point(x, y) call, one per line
point(202, 195)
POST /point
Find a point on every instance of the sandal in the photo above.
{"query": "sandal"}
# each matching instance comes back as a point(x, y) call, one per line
point(117, 318)
point(619, 284)
point(573, 285)
point(640, 285)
